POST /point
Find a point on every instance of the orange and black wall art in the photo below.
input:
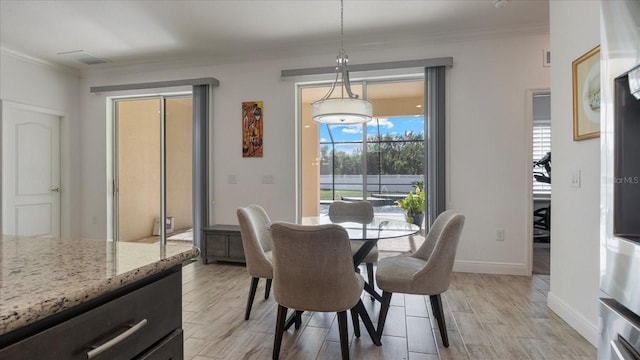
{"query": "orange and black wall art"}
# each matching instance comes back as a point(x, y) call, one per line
point(252, 118)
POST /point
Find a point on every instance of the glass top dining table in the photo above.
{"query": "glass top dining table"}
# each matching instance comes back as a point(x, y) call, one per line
point(369, 231)
point(375, 229)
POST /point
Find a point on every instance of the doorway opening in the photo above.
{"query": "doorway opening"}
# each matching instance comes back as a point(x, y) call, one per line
point(153, 169)
point(541, 189)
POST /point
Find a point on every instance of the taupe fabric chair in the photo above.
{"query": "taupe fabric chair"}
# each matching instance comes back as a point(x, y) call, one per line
point(256, 242)
point(360, 212)
point(425, 272)
point(313, 271)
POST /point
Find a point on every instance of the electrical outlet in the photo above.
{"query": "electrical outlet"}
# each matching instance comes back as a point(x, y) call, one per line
point(499, 234)
point(267, 179)
point(231, 179)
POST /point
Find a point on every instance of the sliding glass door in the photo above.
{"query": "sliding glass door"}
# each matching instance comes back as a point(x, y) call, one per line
point(153, 169)
point(179, 167)
point(389, 149)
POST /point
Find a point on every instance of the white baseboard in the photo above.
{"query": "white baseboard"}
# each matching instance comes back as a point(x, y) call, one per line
point(585, 328)
point(486, 267)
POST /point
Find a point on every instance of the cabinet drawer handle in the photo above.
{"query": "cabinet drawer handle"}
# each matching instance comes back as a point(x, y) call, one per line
point(97, 350)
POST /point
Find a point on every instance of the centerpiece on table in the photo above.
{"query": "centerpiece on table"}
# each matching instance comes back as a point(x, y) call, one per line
point(413, 205)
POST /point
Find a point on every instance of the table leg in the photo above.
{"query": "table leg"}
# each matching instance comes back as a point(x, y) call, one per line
point(365, 248)
point(357, 259)
point(368, 324)
point(369, 289)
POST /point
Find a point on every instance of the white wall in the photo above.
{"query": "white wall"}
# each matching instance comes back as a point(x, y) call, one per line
point(52, 89)
point(575, 29)
point(489, 156)
point(488, 161)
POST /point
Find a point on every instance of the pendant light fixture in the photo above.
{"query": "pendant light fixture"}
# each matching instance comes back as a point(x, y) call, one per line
point(348, 108)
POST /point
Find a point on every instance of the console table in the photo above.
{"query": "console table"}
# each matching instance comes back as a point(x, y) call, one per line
point(222, 243)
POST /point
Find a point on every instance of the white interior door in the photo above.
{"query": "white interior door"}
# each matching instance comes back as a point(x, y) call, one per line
point(30, 172)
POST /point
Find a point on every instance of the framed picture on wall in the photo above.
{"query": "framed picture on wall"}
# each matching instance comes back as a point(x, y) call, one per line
point(586, 95)
point(252, 120)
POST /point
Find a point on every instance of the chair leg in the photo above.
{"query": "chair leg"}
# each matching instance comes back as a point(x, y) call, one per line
point(267, 289)
point(252, 294)
point(356, 322)
point(384, 309)
point(436, 306)
point(298, 319)
point(277, 342)
point(344, 336)
point(371, 278)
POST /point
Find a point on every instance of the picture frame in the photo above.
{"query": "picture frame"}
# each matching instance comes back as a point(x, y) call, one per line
point(586, 95)
point(252, 129)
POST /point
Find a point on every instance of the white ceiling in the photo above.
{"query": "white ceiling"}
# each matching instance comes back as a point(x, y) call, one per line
point(132, 32)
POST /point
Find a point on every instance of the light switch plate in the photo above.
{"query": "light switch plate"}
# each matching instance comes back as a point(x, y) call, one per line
point(546, 57)
point(575, 178)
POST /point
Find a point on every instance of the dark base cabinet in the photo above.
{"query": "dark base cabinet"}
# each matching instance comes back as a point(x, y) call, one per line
point(169, 348)
point(145, 322)
point(222, 243)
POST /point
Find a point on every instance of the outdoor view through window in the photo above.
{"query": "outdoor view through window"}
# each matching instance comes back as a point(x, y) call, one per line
point(390, 149)
point(394, 161)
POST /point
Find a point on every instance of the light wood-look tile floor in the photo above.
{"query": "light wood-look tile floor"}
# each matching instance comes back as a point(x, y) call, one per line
point(488, 317)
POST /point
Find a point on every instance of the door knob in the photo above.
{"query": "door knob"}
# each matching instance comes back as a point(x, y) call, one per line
point(56, 189)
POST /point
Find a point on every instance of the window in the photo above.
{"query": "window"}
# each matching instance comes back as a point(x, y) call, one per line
point(395, 157)
point(541, 146)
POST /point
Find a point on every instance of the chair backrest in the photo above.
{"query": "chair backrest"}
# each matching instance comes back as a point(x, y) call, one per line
point(256, 240)
point(313, 268)
point(439, 250)
point(356, 211)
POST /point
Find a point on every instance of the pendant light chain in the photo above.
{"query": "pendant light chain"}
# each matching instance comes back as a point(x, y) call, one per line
point(342, 58)
point(341, 28)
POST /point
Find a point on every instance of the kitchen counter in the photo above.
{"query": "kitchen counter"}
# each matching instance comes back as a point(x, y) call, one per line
point(41, 277)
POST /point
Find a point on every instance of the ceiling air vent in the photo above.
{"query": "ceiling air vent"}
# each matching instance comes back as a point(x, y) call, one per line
point(84, 57)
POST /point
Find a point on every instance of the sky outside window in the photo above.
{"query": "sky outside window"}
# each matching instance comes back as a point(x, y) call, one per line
point(387, 126)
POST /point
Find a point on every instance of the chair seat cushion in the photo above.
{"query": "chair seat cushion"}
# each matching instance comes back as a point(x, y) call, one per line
point(371, 257)
point(396, 274)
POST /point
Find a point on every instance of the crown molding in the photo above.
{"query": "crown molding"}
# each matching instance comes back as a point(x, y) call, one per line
point(36, 61)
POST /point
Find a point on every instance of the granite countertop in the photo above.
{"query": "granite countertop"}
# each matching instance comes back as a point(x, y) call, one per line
point(44, 276)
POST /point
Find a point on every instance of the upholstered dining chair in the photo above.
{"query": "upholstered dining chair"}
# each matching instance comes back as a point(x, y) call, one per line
point(425, 272)
point(313, 271)
point(256, 242)
point(359, 212)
